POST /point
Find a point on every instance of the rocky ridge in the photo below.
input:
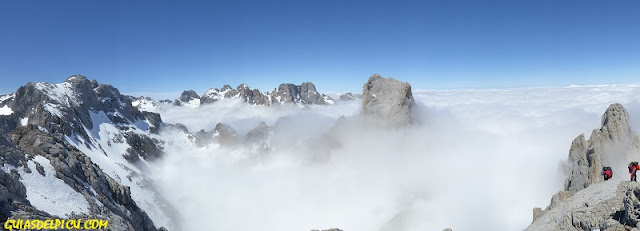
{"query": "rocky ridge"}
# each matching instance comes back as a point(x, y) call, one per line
point(586, 202)
point(285, 93)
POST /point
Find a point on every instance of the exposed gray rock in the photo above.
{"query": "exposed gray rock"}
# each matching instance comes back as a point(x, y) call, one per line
point(66, 108)
point(350, 96)
point(6, 100)
point(222, 134)
point(611, 145)
point(225, 134)
point(142, 146)
point(614, 145)
point(305, 93)
point(259, 138)
point(579, 175)
point(388, 99)
point(309, 94)
point(76, 170)
point(610, 205)
point(188, 95)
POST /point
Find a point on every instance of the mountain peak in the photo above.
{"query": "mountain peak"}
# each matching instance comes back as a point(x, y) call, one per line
point(615, 122)
point(388, 99)
point(78, 79)
point(613, 145)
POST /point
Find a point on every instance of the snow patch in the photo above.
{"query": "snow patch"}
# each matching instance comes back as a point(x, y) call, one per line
point(50, 194)
point(52, 109)
point(108, 145)
point(61, 93)
point(24, 121)
point(144, 104)
point(193, 103)
point(328, 100)
point(6, 110)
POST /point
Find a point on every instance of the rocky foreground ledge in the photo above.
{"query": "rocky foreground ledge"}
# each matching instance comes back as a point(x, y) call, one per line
point(611, 205)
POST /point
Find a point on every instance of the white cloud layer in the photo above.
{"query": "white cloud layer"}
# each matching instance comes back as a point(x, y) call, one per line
point(481, 160)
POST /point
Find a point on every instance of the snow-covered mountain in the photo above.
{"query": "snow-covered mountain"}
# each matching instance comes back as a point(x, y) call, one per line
point(83, 144)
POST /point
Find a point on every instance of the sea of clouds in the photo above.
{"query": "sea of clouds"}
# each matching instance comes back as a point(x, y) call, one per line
point(479, 160)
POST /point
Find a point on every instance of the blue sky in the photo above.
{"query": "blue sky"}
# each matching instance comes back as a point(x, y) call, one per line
point(168, 46)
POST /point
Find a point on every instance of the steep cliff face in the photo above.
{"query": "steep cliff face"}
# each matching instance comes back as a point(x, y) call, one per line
point(586, 202)
point(389, 100)
point(614, 144)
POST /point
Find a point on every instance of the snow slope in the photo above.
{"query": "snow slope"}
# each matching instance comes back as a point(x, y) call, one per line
point(107, 146)
point(50, 194)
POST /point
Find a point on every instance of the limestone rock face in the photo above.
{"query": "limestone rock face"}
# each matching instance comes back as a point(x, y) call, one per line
point(579, 174)
point(610, 205)
point(350, 96)
point(388, 99)
point(305, 93)
point(189, 95)
point(614, 144)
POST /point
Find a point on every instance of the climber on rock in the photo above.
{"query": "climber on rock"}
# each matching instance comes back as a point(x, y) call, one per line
point(607, 173)
point(633, 168)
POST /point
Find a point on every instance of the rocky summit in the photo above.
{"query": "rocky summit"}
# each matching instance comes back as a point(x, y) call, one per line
point(587, 202)
point(388, 99)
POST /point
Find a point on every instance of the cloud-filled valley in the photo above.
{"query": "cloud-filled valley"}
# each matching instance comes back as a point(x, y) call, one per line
point(479, 159)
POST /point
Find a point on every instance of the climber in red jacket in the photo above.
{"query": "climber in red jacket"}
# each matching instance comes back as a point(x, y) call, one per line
point(633, 168)
point(607, 173)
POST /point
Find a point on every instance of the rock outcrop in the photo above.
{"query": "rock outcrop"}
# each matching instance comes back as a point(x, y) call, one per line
point(304, 94)
point(188, 97)
point(614, 144)
point(611, 205)
point(578, 206)
point(389, 100)
point(222, 134)
point(350, 96)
